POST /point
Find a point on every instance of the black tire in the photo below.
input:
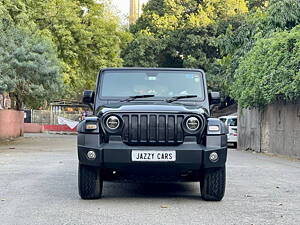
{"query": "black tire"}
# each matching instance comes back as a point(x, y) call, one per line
point(234, 144)
point(89, 182)
point(212, 184)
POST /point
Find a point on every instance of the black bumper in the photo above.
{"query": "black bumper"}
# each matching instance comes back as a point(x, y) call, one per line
point(191, 158)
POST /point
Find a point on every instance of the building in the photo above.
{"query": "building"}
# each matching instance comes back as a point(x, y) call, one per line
point(135, 11)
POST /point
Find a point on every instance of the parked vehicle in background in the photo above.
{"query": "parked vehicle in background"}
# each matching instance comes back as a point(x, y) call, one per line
point(231, 123)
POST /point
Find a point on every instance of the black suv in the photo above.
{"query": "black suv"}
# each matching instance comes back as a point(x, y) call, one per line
point(151, 125)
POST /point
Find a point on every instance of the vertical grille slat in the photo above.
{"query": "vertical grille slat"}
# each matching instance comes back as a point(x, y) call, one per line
point(129, 128)
point(171, 128)
point(179, 129)
point(144, 128)
point(152, 129)
point(134, 128)
point(139, 129)
point(166, 128)
point(175, 128)
point(148, 128)
point(125, 133)
point(157, 128)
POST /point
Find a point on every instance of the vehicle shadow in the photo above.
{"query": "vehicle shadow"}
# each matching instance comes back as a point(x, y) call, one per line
point(151, 190)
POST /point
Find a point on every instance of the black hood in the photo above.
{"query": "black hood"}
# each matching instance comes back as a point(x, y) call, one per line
point(151, 106)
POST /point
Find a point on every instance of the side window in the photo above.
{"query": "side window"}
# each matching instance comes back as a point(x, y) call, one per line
point(223, 120)
point(232, 122)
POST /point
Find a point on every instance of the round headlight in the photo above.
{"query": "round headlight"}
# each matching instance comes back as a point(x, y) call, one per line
point(112, 122)
point(192, 123)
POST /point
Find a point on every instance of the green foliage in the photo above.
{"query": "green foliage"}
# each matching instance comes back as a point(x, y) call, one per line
point(28, 67)
point(182, 33)
point(270, 71)
point(238, 39)
point(283, 14)
point(239, 44)
point(143, 51)
point(85, 33)
point(243, 32)
point(167, 15)
point(87, 36)
point(256, 4)
point(14, 11)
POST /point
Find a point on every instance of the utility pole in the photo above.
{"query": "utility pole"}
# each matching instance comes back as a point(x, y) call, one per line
point(134, 11)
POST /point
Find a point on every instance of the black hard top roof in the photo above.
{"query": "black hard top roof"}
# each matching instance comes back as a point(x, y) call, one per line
point(150, 69)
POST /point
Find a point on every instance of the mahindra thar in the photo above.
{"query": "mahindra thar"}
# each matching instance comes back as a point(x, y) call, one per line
point(151, 125)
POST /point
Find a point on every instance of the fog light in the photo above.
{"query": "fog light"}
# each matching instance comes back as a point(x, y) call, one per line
point(91, 155)
point(213, 157)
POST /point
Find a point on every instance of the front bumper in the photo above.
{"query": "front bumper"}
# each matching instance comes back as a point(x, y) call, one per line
point(190, 156)
point(114, 157)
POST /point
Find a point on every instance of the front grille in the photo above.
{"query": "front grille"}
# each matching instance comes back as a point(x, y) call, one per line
point(160, 129)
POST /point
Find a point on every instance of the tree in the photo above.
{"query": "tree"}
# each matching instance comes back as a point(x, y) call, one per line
point(29, 68)
point(233, 43)
point(182, 33)
point(283, 14)
point(270, 71)
point(87, 36)
point(15, 12)
point(177, 33)
point(143, 51)
point(227, 41)
point(255, 4)
point(160, 16)
point(241, 35)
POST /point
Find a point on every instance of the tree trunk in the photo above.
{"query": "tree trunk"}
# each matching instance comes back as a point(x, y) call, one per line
point(19, 104)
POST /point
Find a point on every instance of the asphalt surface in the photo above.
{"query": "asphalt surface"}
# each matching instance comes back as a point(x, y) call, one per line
point(38, 185)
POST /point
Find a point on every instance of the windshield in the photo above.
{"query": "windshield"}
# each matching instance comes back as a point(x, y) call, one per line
point(161, 84)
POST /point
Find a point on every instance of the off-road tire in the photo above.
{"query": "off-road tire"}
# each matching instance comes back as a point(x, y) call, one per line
point(212, 184)
point(89, 182)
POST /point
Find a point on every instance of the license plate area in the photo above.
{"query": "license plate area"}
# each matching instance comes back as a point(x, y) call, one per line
point(153, 156)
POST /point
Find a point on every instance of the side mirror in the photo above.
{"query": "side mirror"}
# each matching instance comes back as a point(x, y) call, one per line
point(88, 97)
point(214, 98)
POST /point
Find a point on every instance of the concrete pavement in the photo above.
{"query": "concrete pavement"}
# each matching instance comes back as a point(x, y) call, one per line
point(38, 185)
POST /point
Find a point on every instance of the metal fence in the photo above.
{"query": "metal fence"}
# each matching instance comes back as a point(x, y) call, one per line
point(51, 117)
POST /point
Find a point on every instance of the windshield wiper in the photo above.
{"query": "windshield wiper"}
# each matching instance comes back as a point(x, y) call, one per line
point(132, 98)
point(175, 98)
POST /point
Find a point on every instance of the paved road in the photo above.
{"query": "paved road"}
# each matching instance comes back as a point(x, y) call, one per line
point(38, 185)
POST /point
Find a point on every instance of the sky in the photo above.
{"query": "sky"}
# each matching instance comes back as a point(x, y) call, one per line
point(123, 5)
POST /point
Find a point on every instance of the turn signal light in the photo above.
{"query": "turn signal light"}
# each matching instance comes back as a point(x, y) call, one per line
point(214, 128)
point(91, 126)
